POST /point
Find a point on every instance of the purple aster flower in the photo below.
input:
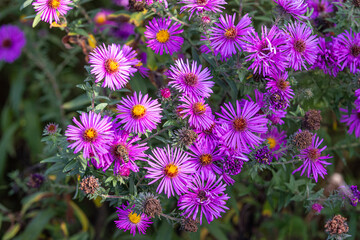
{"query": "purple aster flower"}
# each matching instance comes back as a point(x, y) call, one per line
point(206, 195)
point(124, 150)
point(276, 141)
point(321, 8)
point(266, 52)
point(313, 162)
point(351, 119)
point(295, 8)
point(199, 113)
point(114, 64)
point(144, 72)
point(276, 117)
point(51, 129)
point(351, 193)
point(139, 113)
point(49, 9)
point(124, 31)
point(201, 6)
point(12, 41)
point(129, 220)
point(317, 207)
point(203, 156)
point(101, 18)
point(122, 3)
point(172, 167)
point(162, 36)
point(302, 47)
point(264, 155)
point(209, 135)
point(326, 58)
point(193, 81)
point(93, 135)
point(242, 124)
point(357, 101)
point(347, 49)
point(278, 84)
point(225, 37)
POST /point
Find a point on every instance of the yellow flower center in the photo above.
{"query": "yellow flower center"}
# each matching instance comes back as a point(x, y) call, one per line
point(111, 66)
point(206, 159)
point(171, 170)
point(134, 218)
point(138, 111)
point(230, 33)
point(100, 18)
point(139, 64)
point(54, 4)
point(90, 135)
point(199, 108)
point(272, 142)
point(163, 36)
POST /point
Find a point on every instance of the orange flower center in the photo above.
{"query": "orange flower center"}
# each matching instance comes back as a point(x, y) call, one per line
point(272, 142)
point(54, 4)
point(190, 79)
point(230, 33)
point(240, 124)
point(163, 36)
point(138, 111)
point(90, 135)
point(314, 154)
point(171, 170)
point(111, 66)
point(199, 108)
point(206, 159)
point(134, 218)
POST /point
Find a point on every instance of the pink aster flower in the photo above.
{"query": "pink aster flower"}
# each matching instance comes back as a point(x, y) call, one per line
point(352, 120)
point(129, 220)
point(124, 150)
point(162, 36)
point(49, 9)
point(267, 51)
point(313, 162)
point(139, 113)
point(203, 156)
point(51, 129)
point(302, 47)
point(191, 80)
point(204, 195)
point(93, 135)
point(172, 167)
point(278, 84)
point(321, 8)
point(209, 135)
point(276, 141)
point(113, 64)
point(242, 124)
point(200, 6)
point(347, 49)
point(199, 113)
point(295, 8)
point(327, 59)
point(226, 37)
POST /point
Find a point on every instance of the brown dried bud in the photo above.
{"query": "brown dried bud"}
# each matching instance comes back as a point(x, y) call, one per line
point(137, 6)
point(303, 139)
point(356, 3)
point(312, 120)
point(89, 184)
point(35, 180)
point(189, 224)
point(187, 136)
point(336, 225)
point(152, 207)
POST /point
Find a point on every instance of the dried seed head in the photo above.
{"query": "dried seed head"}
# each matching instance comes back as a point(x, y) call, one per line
point(189, 224)
point(312, 120)
point(303, 139)
point(186, 136)
point(35, 180)
point(336, 226)
point(89, 184)
point(356, 3)
point(152, 207)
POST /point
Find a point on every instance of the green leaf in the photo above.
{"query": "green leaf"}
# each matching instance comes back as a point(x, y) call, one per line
point(25, 4)
point(77, 102)
point(30, 200)
point(51, 159)
point(37, 19)
point(11, 232)
point(5, 143)
point(36, 226)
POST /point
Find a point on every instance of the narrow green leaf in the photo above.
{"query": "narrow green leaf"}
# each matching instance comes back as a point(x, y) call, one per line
point(37, 19)
point(25, 4)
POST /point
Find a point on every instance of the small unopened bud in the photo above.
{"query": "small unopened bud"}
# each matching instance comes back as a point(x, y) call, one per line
point(205, 20)
point(317, 207)
point(312, 120)
point(189, 224)
point(89, 184)
point(165, 93)
point(337, 225)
